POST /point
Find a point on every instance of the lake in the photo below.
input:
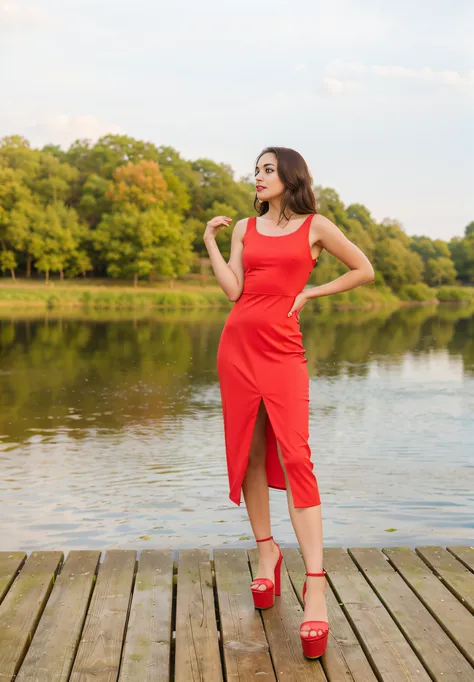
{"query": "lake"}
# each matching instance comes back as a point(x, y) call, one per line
point(111, 430)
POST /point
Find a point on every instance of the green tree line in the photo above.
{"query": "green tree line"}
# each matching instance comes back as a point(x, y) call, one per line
point(125, 208)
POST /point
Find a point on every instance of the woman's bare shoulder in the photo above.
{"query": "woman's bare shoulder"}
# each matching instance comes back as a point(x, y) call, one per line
point(319, 219)
point(320, 225)
point(240, 227)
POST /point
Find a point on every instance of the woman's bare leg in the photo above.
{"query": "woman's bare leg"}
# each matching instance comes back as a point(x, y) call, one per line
point(257, 499)
point(308, 527)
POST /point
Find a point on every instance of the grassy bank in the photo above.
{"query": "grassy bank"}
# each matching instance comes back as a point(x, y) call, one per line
point(103, 295)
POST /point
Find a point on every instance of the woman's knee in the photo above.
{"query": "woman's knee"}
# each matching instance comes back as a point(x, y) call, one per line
point(256, 458)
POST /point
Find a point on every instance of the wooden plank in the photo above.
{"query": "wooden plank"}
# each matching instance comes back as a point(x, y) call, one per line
point(455, 620)
point(146, 656)
point(51, 654)
point(98, 655)
point(245, 647)
point(282, 623)
point(22, 607)
point(452, 572)
point(464, 554)
point(441, 658)
point(344, 658)
point(390, 655)
point(197, 645)
point(10, 564)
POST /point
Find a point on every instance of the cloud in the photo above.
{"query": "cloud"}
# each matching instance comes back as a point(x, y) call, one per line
point(455, 79)
point(63, 129)
point(334, 86)
point(328, 86)
point(22, 15)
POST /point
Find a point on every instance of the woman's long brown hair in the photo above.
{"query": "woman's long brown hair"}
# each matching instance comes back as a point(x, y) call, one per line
point(294, 173)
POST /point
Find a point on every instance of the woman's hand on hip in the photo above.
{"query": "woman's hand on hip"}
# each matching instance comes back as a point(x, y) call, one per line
point(298, 304)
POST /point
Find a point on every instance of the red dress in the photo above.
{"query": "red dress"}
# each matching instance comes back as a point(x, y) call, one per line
point(261, 356)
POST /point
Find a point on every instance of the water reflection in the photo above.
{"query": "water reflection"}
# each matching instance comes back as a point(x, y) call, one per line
point(111, 431)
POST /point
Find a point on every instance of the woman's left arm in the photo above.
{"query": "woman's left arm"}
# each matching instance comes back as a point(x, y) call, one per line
point(337, 244)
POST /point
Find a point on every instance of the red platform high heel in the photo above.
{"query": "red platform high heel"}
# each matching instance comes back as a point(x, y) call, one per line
point(314, 647)
point(264, 599)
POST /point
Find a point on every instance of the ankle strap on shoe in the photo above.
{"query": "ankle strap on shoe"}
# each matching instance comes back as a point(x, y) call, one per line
point(317, 574)
point(264, 539)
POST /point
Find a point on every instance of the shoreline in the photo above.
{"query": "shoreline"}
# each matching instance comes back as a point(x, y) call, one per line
point(184, 295)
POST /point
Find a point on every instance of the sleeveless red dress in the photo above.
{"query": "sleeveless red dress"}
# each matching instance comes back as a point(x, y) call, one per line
point(261, 357)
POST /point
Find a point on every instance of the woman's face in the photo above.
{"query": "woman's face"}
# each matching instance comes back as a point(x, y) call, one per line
point(267, 182)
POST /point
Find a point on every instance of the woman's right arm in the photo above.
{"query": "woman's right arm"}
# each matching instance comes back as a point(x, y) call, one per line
point(229, 275)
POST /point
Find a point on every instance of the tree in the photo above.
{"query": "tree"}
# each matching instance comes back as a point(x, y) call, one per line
point(178, 200)
point(16, 153)
point(24, 230)
point(57, 238)
point(138, 243)
point(53, 180)
point(18, 214)
point(462, 254)
point(45, 174)
point(442, 248)
point(80, 263)
point(440, 271)
point(397, 263)
point(361, 213)
point(8, 262)
point(394, 229)
point(429, 248)
point(174, 166)
point(424, 247)
point(138, 184)
point(331, 206)
point(93, 201)
point(108, 153)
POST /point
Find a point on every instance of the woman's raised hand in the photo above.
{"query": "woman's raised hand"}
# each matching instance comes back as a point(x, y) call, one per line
point(216, 224)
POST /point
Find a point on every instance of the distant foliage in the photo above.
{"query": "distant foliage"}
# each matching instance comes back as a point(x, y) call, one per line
point(417, 292)
point(455, 294)
point(125, 208)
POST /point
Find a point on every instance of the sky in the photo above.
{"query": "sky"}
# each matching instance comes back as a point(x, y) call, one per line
point(378, 97)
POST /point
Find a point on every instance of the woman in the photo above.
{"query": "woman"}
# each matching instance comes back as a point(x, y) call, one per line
point(262, 369)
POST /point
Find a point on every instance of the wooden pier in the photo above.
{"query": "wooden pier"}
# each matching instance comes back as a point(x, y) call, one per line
point(395, 614)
